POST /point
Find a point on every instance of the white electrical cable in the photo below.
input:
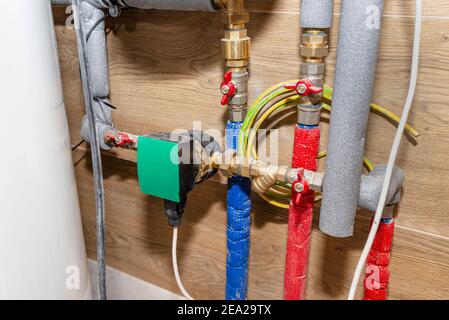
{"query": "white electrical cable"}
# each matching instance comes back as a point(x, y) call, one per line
point(393, 153)
point(175, 265)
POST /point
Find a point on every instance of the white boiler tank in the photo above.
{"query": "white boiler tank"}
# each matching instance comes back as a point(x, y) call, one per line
point(42, 251)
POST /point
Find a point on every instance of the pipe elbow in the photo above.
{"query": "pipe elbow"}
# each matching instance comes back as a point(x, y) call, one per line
point(371, 186)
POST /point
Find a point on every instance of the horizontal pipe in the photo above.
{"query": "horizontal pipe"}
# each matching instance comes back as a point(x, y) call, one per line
point(61, 2)
point(183, 5)
point(357, 53)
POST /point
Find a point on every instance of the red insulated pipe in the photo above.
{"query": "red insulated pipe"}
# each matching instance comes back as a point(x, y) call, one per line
point(305, 152)
point(377, 273)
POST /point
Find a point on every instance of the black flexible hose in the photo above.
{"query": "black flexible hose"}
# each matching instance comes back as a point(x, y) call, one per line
point(96, 24)
point(95, 153)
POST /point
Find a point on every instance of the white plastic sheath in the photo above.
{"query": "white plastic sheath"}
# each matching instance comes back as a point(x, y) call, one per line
point(394, 152)
point(175, 265)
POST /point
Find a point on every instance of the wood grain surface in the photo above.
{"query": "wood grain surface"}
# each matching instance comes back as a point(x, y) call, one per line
point(165, 69)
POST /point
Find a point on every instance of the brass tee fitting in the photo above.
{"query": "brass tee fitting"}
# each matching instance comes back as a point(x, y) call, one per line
point(264, 175)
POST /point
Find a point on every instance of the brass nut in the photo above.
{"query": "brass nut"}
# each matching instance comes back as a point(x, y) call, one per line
point(315, 52)
point(237, 113)
point(236, 49)
point(236, 34)
point(281, 173)
point(239, 18)
point(309, 115)
point(315, 39)
point(237, 63)
point(312, 68)
point(239, 100)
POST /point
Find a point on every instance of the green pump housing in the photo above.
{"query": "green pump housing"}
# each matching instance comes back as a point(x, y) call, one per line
point(168, 167)
point(160, 170)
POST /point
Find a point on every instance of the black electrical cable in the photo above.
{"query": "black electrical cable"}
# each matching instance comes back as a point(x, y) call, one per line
point(78, 145)
point(95, 154)
point(96, 24)
point(106, 103)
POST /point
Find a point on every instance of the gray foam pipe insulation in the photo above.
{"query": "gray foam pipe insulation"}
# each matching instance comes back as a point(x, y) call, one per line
point(185, 5)
point(353, 85)
point(371, 187)
point(98, 68)
point(317, 13)
point(61, 2)
point(91, 11)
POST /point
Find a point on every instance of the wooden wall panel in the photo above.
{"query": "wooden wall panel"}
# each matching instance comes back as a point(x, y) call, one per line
point(165, 69)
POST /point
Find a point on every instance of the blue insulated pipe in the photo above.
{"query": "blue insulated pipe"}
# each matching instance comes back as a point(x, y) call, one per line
point(238, 226)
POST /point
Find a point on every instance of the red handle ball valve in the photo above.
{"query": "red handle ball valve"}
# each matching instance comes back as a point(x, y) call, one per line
point(300, 187)
point(305, 88)
point(228, 88)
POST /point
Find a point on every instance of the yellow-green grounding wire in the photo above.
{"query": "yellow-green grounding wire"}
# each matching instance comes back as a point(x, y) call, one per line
point(277, 99)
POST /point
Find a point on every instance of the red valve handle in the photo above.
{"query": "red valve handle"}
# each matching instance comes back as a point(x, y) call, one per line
point(300, 187)
point(121, 139)
point(304, 88)
point(228, 88)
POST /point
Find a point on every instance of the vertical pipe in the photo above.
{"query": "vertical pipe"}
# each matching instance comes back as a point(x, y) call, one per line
point(316, 19)
point(236, 44)
point(96, 48)
point(238, 225)
point(317, 14)
point(306, 145)
point(93, 27)
point(95, 150)
point(377, 274)
point(354, 78)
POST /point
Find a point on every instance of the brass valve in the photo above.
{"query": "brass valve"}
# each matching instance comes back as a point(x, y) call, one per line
point(314, 50)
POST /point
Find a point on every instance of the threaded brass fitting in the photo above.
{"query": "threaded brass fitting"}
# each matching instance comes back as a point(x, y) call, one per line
point(236, 43)
point(314, 49)
point(235, 13)
point(263, 183)
point(314, 45)
point(236, 48)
